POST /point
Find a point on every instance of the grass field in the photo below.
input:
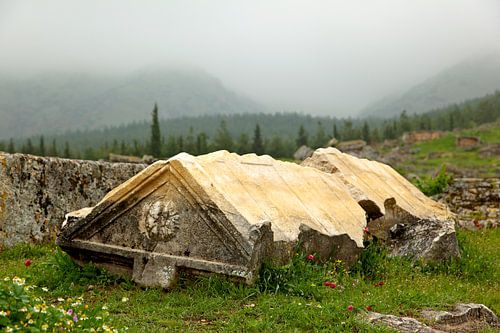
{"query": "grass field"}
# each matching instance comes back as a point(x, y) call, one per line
point(290, 298)
point(430, 155)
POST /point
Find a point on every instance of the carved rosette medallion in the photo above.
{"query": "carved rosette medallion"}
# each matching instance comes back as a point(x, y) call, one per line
point(160, 220)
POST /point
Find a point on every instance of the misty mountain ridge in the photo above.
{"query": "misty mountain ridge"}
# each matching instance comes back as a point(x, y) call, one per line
point(468, 79)
point(52, 103)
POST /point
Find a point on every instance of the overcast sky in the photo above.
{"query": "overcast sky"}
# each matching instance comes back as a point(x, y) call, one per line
point(311, 56)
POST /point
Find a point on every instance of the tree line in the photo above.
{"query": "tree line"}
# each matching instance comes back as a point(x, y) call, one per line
point(278, 135)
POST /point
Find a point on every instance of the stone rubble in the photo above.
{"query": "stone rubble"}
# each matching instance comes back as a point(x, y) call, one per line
point(464, 318)
point(400, 324)
point(302, 153)
point(476, 201)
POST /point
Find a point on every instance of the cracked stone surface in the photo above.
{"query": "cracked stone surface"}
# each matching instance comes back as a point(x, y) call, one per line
point(36, 193)
point(219, 212)
point(399, 214)
point(464, 318)
point(468, 317)
point(401, 324)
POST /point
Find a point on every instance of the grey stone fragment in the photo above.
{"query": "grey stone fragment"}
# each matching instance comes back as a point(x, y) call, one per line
point(350, 146)
point(302, 153)
point(401, 324)
point(462, 315)
point(464, 318)
point(415, 238)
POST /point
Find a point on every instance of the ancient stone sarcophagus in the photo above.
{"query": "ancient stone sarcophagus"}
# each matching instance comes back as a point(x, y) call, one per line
point(220, 213)
point(400, 214)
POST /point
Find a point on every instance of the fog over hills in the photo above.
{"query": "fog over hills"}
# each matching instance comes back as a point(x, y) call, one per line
point(56, 102)
point(468, 79)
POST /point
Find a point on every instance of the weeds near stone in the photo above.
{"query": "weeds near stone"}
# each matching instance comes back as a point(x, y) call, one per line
point(434, 185)
point(295, 297)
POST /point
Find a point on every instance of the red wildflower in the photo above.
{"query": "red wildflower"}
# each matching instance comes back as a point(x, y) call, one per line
point(333, 285)
point(366, 230)
point(350, 308)
point(27, 263)
point(327, 284)
point(369, 308)
point(311, 257)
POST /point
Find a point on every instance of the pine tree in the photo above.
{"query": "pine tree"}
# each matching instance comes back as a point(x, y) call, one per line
point(320, 138)
point(11, 148)
point(388, 132)
point(89, 154)
point(276, 147)
point(257, 143)
point(155, 133)
point(67, 151)
point(404, 122)
point(365, 132)
point(137, 149)
point(223, 139)
point(29, 149)
point(243, 145)
point(451, 122)
point(114, 147)
point(190, 146)
point(336, 133)
point(395, 129)
point(53, 148)
point(302, 137)
point(375, 136)
point(123, 148)
point(180, 144)
point(348, 131)
point(41, 147)
point(171, 146)
point(201, 143)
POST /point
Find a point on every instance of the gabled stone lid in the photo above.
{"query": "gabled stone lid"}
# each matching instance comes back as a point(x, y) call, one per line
point(376, 182)
point(251, 189)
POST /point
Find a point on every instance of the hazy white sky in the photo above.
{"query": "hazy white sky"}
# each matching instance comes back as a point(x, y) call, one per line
point(311, 56)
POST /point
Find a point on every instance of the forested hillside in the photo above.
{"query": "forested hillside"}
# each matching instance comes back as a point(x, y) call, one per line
point(278, 134)
point(54, 103)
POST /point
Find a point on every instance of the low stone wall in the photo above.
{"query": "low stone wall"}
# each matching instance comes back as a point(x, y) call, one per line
point(475, 201)
point(36, 193)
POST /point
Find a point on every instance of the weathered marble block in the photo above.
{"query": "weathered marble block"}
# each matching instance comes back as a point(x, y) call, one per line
point(220, 213)
point(400, 214)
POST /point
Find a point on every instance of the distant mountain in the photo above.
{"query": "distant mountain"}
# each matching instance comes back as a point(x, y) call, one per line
point(55, 102)
point(472, 78)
